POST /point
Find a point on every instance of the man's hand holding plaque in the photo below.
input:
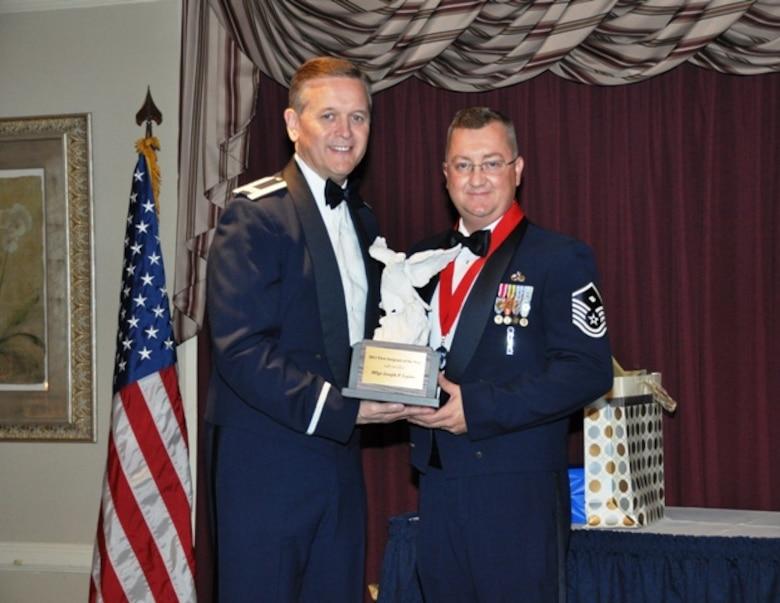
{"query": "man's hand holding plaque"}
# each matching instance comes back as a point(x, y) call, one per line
point(398, 365)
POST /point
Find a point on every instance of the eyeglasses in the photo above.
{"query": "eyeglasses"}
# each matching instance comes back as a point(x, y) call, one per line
point(490, 167)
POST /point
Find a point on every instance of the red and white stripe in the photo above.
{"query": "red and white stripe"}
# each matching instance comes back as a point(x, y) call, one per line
point(144, 547)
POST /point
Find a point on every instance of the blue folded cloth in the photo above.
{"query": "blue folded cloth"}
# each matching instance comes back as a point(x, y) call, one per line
point(577, 487)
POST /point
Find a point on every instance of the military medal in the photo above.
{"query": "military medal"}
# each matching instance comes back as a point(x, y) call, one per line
point(513, 300)
point(506, 304)
point(442, 350)
point(524, 304)
point(498, 307)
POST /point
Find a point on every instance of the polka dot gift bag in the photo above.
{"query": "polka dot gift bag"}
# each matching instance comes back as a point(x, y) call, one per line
point(624, 452)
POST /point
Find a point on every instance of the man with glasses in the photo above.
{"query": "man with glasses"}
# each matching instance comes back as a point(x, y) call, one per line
point(520, 326)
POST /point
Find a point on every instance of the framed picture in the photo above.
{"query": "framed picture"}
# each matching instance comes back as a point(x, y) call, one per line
point(47, 370)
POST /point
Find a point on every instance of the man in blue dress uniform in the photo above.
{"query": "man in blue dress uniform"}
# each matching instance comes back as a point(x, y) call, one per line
point(520, 324)
point(290, 288)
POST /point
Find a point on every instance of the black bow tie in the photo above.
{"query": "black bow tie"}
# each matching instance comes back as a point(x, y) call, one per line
point(334, 194)
point(478, 242)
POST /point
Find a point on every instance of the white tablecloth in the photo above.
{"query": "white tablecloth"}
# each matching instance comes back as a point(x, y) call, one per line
point(700, 521)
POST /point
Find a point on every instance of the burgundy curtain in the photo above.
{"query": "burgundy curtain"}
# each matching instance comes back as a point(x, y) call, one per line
point(674, 183)
point(456, 45)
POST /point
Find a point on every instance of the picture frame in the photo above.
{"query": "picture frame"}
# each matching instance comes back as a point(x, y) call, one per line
point(47, 341)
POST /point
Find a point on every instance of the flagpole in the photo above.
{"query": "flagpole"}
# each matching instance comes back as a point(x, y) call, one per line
point(187, 351)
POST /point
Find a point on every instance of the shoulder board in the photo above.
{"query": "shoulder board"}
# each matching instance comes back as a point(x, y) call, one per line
point(261, 188)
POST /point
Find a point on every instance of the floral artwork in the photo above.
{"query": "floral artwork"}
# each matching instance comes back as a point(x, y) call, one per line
point(47, 360)
point(22, 280)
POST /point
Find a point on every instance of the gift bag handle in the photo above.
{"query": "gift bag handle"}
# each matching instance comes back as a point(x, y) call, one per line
point(660, 395)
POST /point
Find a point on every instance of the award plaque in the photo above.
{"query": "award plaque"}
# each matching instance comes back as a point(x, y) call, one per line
point(393, 372)
point(397, 365)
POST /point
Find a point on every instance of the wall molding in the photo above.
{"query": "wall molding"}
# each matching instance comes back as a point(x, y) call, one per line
point(45, 557)
point(24, 6)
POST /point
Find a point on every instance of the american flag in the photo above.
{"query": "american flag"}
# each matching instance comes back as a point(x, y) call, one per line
point(143, 550)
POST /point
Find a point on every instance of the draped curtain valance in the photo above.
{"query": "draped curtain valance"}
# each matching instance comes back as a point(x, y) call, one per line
point(454, 45)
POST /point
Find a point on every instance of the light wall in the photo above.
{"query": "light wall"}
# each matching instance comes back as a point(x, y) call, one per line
point(98, 58)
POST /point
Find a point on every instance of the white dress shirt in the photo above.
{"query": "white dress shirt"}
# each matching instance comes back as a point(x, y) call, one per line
point(346, 246)
point(462, 263)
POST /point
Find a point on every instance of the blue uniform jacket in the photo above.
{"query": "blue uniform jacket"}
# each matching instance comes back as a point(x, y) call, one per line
point(518, 394)
point(278, 319)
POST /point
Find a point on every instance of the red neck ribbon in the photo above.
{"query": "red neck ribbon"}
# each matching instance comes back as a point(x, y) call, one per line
point(451, 302)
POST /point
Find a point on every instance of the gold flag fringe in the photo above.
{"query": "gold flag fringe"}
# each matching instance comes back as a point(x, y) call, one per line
point(149, 147)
